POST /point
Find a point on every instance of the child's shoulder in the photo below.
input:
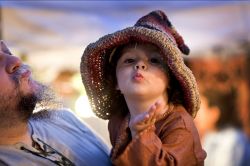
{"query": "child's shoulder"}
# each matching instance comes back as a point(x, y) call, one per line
point(178, 118)
point(179, 110)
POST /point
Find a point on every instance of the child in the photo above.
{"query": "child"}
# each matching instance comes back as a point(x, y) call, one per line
point(136, 78)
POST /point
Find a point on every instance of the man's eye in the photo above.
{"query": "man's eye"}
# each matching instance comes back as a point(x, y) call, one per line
point(155, 61)
point(129, 60)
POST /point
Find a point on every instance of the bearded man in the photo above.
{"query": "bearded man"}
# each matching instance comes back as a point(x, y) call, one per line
point(48, 137)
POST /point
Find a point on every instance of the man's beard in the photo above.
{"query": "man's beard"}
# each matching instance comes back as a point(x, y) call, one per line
point(16, 107)
point(41, 101)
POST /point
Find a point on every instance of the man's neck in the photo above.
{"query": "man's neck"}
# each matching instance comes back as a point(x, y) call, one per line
point(14, 134)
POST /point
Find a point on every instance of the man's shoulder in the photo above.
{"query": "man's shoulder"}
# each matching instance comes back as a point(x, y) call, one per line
point(53, 114)
point(65, 124)
point(60, 117)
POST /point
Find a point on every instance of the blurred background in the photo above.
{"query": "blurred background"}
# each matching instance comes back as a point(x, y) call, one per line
point(51, 37)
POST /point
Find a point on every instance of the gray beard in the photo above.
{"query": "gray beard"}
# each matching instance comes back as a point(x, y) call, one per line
point(18, 108)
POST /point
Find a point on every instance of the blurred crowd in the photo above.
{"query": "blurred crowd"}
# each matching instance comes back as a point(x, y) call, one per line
point(223, 119)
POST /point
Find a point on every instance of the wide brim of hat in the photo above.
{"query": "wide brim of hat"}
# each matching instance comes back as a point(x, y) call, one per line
point(98, 53)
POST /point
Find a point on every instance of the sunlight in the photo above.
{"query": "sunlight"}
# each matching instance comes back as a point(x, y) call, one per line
point(82, 107)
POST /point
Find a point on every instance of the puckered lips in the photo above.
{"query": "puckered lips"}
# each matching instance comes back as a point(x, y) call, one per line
point(26, 78)
point(138, 77)
point(26, 74)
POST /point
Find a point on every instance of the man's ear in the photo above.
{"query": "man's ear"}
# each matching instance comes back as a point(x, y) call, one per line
point(215, 112)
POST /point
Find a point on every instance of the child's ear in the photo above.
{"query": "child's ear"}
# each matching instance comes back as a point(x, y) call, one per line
point(118, 89)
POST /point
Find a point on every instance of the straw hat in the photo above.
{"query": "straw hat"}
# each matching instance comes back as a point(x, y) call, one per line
point(154, 28)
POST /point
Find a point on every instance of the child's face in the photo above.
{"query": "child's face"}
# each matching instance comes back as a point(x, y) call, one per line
point(141, 72)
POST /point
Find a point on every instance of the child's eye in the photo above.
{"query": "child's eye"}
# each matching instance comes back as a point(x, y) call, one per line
point(129, 60)
point(155, 60)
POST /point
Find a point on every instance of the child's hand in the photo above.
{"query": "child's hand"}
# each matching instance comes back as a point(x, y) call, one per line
point(144, 120)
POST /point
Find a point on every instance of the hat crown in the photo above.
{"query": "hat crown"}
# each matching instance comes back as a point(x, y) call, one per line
point(157, 20)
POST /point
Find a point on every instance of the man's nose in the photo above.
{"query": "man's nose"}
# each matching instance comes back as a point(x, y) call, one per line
point(13, 63)
point(140, 65)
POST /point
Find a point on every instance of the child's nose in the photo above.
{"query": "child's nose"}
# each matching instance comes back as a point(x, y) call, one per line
point(140, 65)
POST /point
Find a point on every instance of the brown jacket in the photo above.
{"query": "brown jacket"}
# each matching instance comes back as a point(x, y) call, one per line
point(173, 140)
